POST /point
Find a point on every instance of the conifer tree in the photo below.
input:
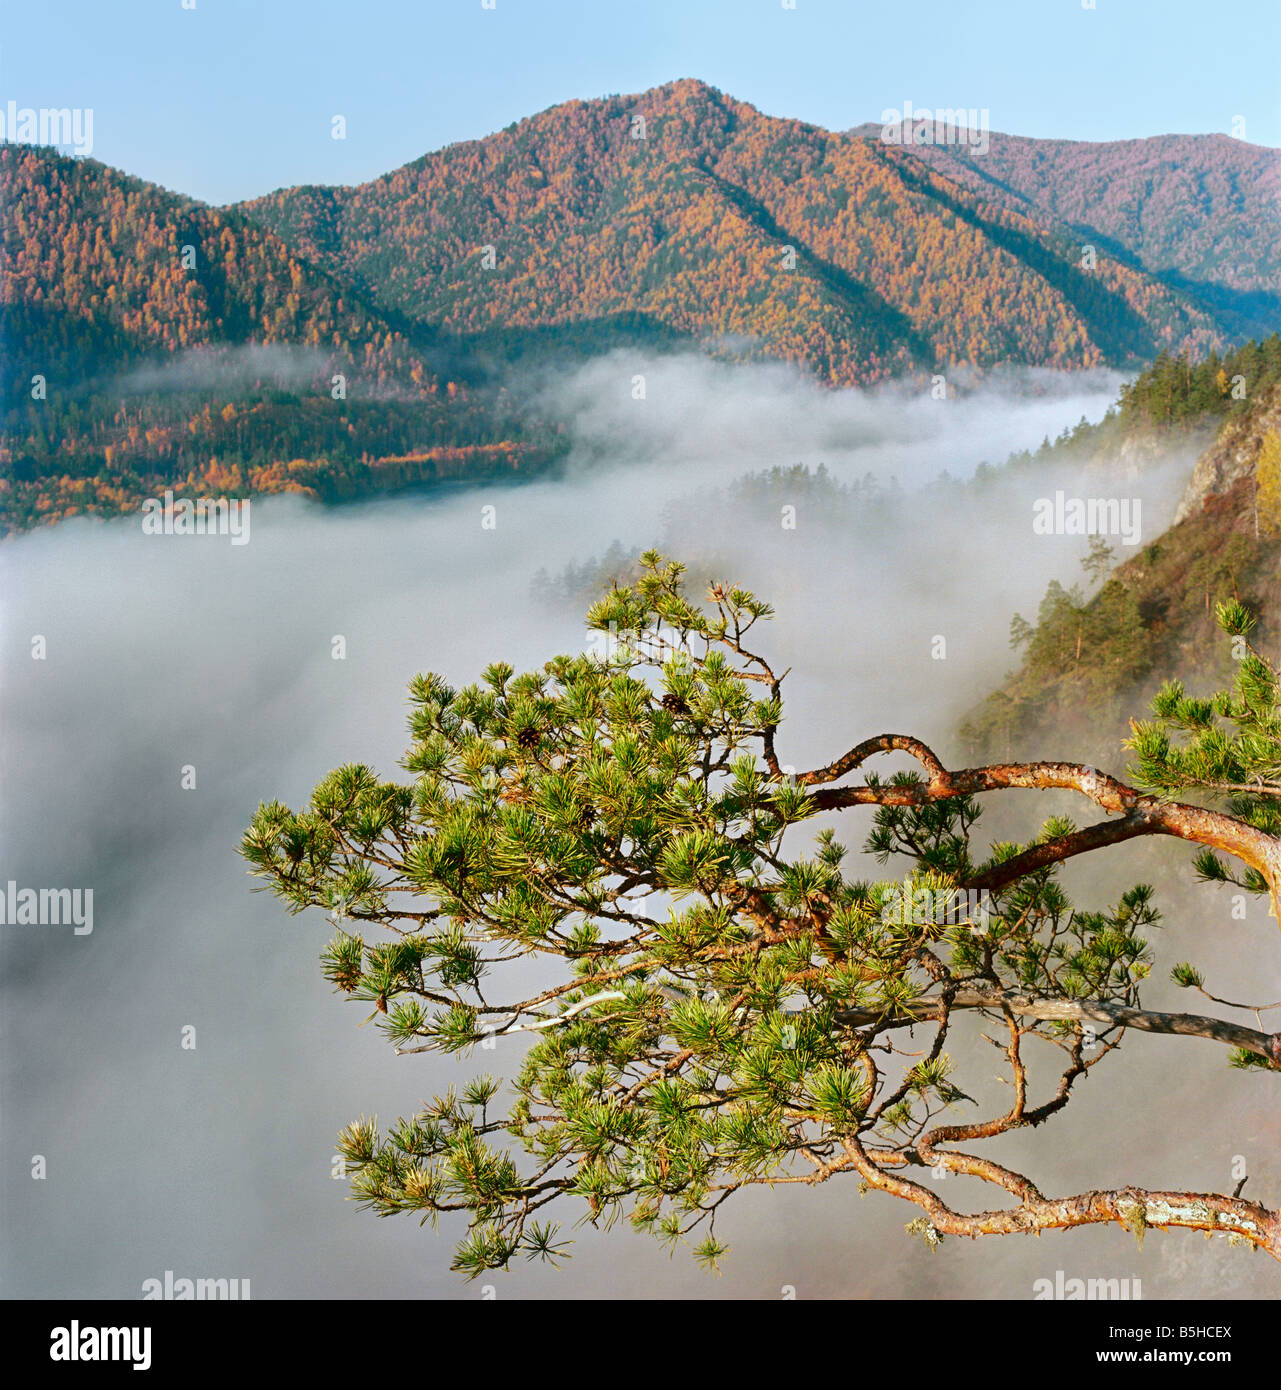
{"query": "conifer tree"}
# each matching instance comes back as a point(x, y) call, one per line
point(601, 873)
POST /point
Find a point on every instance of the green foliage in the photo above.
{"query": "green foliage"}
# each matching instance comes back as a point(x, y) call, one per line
point(1177, 390)
point(227, 361)
point(1226, 746)
point(713, 1003)
point(1243, 1060)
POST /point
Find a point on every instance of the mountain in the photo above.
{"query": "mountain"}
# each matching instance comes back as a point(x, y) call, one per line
point(1088, 662)
point(678, 211)
point(1197, 211)
point(336, 341)
point(153, 342)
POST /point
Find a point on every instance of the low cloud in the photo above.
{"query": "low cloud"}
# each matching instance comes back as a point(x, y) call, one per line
point(229, 371)
point(173, 653)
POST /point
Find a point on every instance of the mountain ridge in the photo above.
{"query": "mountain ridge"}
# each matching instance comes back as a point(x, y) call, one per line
point(675, 218)
point(892, 269)
point(1182, 206)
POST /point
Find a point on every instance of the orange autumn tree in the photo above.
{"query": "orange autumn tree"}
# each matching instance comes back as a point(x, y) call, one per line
point(1268, 483)
point(714, 1003)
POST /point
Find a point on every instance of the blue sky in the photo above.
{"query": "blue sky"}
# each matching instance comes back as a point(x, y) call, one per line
point(235, 97)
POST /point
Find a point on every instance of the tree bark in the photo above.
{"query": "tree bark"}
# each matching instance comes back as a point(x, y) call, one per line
point(1134, 1208)
point(1141, 814)
point(1267, 1045)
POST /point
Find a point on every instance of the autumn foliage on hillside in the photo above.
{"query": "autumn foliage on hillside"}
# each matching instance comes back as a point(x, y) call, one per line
point(151, 342)
point(1144, 616)
point(691, 225)
point(296, 341)
point(1185, 207)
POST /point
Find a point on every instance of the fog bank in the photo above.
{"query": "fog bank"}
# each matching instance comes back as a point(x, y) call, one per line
point(167, 653)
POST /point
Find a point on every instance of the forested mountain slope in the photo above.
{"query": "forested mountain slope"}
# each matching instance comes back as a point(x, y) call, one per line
point(680, 211)
point(1199, 211)
point(1090, 659)
point(343, 340)
point(152, 342)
